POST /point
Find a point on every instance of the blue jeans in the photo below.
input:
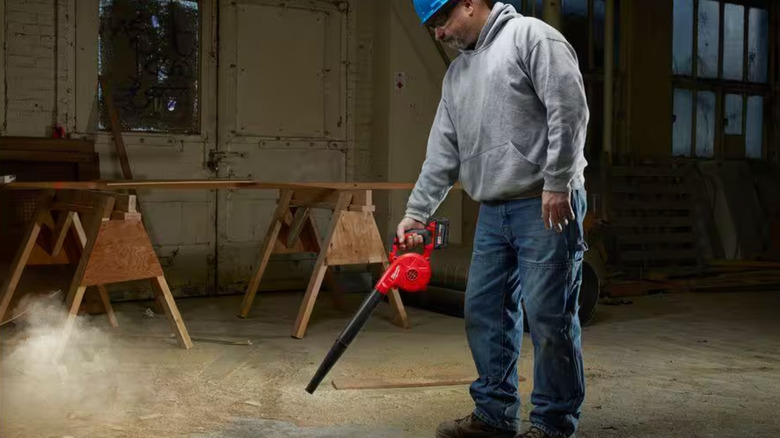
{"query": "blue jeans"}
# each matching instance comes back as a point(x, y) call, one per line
point(515, 258)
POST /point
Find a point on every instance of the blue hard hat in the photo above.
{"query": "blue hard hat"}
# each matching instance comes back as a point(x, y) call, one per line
point(426, 8)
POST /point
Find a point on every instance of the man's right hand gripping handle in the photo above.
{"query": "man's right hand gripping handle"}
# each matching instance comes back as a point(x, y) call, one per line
point(411, 240)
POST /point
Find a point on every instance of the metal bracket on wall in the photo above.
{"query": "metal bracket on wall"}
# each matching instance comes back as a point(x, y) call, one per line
point(217, 157)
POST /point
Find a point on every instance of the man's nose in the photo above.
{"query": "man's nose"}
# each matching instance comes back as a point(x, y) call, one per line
point(439, 34)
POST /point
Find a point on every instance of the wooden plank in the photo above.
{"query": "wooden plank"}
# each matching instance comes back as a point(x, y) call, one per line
point(68, 206)
point(88, 198)
point(661, 204)
point(317, 198)
point(61, 230)
point(346, 383)
point(106, 300)
point(116, 128)
point(74, 302)
point(298, 221)
point(396, 303)
point(127, 203)
point(380, 383)
point(122, 252)
point(645, 171)
point(651, 189)
point(102, 212)
point(203, 185)
point(161, 289)
point(320, 267)
point(23, 253)
point(47, 144)
point(78, 233)
point(650, 222)
point(271, 237)
point(307, 305)
point(634, 238)
point(40, 156)
point(122, 216)
point(353, 241)
point(676, 254)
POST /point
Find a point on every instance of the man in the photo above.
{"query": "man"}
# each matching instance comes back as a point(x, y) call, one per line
point(511, 125)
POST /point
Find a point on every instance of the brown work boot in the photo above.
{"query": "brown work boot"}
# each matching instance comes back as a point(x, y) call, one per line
point(471, 427)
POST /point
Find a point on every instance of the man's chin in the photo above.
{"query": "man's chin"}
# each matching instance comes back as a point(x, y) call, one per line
point(455, 44)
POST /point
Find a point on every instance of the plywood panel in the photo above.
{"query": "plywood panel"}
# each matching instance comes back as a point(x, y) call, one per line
point(356, 240)
point(122, 252)
point(280, 92)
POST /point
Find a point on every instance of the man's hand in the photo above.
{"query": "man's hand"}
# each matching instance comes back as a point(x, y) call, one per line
point(412, 239)
point(556, 210)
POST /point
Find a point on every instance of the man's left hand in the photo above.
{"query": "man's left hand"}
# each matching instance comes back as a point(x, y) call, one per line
point(556, 210)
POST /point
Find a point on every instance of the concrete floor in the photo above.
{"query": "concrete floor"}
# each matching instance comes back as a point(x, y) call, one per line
point(694, 365)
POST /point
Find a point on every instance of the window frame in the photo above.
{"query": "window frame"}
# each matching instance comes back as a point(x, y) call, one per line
point(86, 77)
point(722, 87)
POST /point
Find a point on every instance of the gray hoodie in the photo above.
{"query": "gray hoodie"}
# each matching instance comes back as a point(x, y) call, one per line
point(512, 118)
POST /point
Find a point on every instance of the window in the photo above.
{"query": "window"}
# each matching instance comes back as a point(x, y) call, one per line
point(149, 50)
point(719, 93)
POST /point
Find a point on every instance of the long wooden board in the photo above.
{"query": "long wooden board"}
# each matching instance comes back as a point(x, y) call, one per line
point(390, 383)
point(203, 184)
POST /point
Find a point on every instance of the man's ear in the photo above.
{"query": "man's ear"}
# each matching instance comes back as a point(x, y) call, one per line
point(469, 6)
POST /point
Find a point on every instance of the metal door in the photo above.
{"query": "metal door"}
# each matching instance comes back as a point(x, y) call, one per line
point(282, 118)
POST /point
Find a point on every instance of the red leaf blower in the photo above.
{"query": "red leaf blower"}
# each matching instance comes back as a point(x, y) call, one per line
point(410, 272)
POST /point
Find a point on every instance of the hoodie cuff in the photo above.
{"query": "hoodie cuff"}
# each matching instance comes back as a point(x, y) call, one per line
point(416, 215)
point(557, 184)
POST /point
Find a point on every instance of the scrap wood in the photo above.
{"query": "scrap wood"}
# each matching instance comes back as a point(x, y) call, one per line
point(627, 288)
point(382, 383)
point(756, 264)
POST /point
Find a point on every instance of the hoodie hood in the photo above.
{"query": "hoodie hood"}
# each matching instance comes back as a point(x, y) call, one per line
point(499, 16)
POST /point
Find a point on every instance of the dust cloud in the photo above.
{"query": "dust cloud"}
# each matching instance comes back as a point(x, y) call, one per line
point(41, 395)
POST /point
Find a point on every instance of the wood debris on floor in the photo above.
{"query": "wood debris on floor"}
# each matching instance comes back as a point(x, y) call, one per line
point(714, 276)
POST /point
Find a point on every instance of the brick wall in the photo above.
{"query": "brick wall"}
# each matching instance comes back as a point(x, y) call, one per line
point(32, 66)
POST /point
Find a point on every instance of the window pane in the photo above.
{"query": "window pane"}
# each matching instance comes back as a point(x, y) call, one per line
point(733, 41)
point(150, 50)
point(682, 38)
point(575, 28)
point(709, 28)
point(733, 114)
point(682, 122)
point(758, 43)
point(705, 124)
point(755, 125)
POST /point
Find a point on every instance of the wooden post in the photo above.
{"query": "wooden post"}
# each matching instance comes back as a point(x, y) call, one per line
point(161, 289)
point(282, 209)
point(320, 268)
point(23, 253)
point(102, 212)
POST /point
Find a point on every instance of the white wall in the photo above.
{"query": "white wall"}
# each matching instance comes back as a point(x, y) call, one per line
point(402, 115)
point(30, 70)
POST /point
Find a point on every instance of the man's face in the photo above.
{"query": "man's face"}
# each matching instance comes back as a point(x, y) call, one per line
point(449, 25)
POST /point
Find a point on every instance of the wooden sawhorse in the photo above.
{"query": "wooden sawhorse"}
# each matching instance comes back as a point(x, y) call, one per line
point(113, 245)
point(352, 238)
